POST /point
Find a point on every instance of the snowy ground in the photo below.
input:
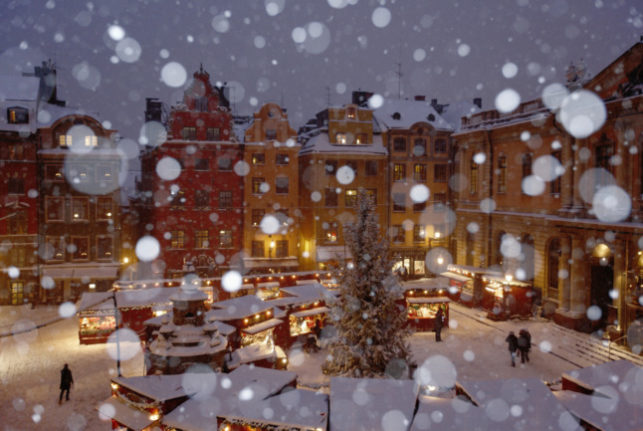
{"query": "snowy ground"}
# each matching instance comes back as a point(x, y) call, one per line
point(30, 363)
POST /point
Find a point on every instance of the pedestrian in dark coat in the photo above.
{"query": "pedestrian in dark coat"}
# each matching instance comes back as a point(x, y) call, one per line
point(512, 340)
point(66, 380)
point(524, 344)
point(439, 321)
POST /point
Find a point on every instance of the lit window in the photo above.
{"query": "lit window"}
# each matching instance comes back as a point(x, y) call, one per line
point(177, 239)
point(202, 239)
point(341, 138)
point(257, 183)
point(104, 208)
point(257, 216)
point(79, 209)
point(258, 158)
point(418, 233)
point(17, 115)
point(80, 248)
point(104, 247)
point(399, 172)
point(350, 198)
point(225, 238)
point(419, 172)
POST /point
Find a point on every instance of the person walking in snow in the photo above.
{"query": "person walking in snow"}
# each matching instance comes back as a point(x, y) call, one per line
point(513, 346)
point(439, 321)
point(66, 380)
point(524, 344)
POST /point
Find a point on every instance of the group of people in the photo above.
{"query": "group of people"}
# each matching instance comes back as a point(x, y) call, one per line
point(519, 345)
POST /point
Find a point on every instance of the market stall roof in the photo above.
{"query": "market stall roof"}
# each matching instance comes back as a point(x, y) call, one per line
point(189, 295)
point(266, 324)
point(303, 294)
point(255, 352)
point(135, 298)
point(311, 312)
point(265, 381)
point(436, 283)
point(619, 411)
point(607, 374)
point(362, 404)
point(454, 276)
point(116, 409)
point(238, 308)
point(449, 414)
point(530, 396)
point(432, 300)
point(96, 301)
point(157, 387)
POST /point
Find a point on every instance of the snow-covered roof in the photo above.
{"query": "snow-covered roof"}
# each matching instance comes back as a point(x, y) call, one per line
point(363, 404)
point(449, 414)
point(426, 284)
point(609, 373)
point(19, 88)
point(453, 113)
point(144, 297)
point(259, 327)
point(531, 397)
point(402, 114)
point(129, 416)
point(619, 411)
point(48, 114)
point(96, 301)
point(189, 295)
point(157, 387)
point(263, 381)
point(321, 144)
point(238, 308)
point(303, 294)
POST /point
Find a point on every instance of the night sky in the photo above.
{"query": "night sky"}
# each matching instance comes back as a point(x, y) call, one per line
point(450, 50)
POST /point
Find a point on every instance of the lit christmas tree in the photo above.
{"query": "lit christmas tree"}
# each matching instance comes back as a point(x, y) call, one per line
point(371, 337)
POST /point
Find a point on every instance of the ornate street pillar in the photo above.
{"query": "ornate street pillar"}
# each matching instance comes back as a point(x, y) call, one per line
point(578, 287)
point(564, 266)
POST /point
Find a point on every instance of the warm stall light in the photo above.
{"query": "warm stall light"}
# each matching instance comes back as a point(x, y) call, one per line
point(293, 276)
point(437, 235)
point(154, 416)
point(509, 277)
point(281, 278)
point(268, 313)
point(114, 386)
point(411, 292)
point(126, 260)
point(245, 321)
point(440, 260)
point(316, 303)
point(92, 285)
point(257, 316)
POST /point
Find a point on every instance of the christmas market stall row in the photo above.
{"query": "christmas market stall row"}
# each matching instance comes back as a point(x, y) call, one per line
point(422, 299)
point(500, 294)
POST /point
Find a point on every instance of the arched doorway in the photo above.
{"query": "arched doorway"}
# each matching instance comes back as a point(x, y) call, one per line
point(602, 283)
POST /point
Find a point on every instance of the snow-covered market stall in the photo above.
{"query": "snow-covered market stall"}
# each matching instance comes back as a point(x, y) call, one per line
point(423, 298)
point(96, 317)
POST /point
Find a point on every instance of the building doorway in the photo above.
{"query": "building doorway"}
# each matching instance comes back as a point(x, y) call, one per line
point(17, 293)
point(602, 284)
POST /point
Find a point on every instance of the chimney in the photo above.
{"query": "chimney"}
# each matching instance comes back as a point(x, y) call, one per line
point(478, 102)
point(420, 98)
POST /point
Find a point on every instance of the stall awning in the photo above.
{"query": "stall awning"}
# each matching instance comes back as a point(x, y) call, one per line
point(132, 418)
point(456, 277)
point(427, 300)
point(311, 312)
point(262, 326)
point(259, 262)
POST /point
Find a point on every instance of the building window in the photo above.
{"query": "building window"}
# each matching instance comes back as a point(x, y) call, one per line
point(201, 199)
point(556, 182)
point(16, 152)
point(17, 293)
point(351, 113)
point(371, 168)
point(258, 158)
point(330, 233)
point(553, 261)
point(419, 206)
point(282, 216)
point(17, 115)
point(330, 197)
point(18, 256)
point(361, 139)
point(202, 239)
point(418, 233)
point(188, 133)
point(341, 138)
point(257, 216)
point(399, 145)
point(64, 141)
point(258, 249)
point(104, 247)
point(17, 222)
point(419, 172)
point(79, 248)
point(502, 173)
point(225, 238)
point(419, 147)
point(398, 233)
point(55, 248)
point(105, 175)
point(177, 239)
point(178, 199)
point(54, 173)
point(16, 186)
point(440, 146)
point(330, 167)
point(104, 208)
point(282, 248)
point(604, 154)
point(440, 173)
point(79, 174)
point(353, 165)
point(282, 159)
point(399, 172)
point(258, 185)
point(470, 249)
point(350, 198)
point(202, 165)
point(473, 176)
point(440, 197)
point(526, 165)
point(281, 185)
point(212, 134)
point(54, 208)
point(80, 209)
point(271, 134)
point(224, 163)
point(225, 199)
point(399, 202)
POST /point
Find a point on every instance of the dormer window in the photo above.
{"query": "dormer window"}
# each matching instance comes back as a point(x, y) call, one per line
point(431, 117)
point(396, 116)
point(17, 115)
point(351, 112)
point(341, 138)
